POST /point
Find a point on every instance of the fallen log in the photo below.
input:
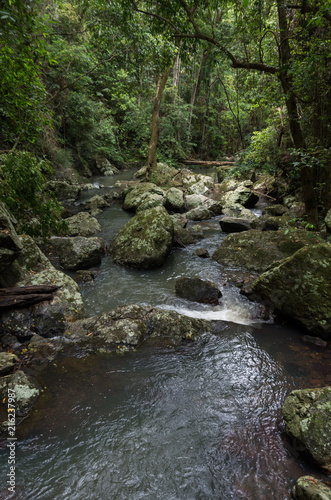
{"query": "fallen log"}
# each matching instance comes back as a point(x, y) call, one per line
point(25, 296)
point(208, 163)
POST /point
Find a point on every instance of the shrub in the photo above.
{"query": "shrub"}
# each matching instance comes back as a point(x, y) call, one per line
point(23, 178)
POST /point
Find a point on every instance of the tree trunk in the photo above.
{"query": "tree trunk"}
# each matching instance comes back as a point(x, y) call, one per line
point(152, 149)
point(307, 173)
point(196, 85)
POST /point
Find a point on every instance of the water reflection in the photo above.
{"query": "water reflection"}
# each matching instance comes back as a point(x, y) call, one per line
point(197, 422)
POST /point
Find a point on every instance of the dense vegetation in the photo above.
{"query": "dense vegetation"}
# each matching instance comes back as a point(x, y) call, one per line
point(142, 81)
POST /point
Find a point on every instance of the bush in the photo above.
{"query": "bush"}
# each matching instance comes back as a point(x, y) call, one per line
point(23, 178)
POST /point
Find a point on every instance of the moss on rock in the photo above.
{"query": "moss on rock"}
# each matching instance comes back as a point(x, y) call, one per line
point(300, 287)
point(145, 241)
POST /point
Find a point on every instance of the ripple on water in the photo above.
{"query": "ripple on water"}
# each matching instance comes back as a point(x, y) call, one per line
point(196, 422)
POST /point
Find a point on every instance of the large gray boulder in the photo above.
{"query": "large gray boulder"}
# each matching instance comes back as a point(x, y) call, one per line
point(310, 488)
point(129, 326)
point(82, 224)
point(47, 318)
point(10, 245)
point(307, 416)
point(299, 287)
point(143, 197)
point(175, 200)
point(78, 252)
point(145, 241)
point(63, 190)
point(238, 192)
point(256, 250)
point(197, 290)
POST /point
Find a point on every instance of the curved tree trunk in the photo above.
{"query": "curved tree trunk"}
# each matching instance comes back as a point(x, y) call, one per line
point(152, 149)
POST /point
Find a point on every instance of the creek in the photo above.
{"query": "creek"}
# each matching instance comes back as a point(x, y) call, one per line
point(197, 422)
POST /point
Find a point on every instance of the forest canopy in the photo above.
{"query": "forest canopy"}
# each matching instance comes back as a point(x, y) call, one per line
point(140, 81)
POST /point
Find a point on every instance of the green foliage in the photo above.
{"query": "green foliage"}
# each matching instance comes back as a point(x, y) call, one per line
point(22, 50)
point(23, 179)
point(263, 153)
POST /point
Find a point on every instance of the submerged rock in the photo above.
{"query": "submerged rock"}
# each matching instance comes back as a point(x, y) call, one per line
point(131, 325)
point(197, 290)
point(82, 224)
point(307, 415)
point(202, 253)
point(299, 287)
point(256, 250)
point(310, 488)
point(145, 241)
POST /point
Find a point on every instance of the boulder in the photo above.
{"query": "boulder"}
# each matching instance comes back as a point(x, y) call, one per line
point(82, 224)
point(10, 245)
point(96, 202)
point(275, 210)
point(238, 193)
point(63, 190)
point(310, 488)
point(104, 167)
point(299, 287)
point(256, 250)
point(327, 221)
point(195, 200)
point(234, 225)
point(209, 209)
point(78, 252)
point(175, 200)
point(46, 318)
point(197, 290)
point(143, 197)
point(7, 362)
point(183, 237)
point(145, 241)
point(179, 221)
point(240, 212)
point(26, 391)
point(202, 253)
point(130, 325)
point(307, 416)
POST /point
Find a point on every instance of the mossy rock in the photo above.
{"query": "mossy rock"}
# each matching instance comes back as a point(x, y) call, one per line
point(128, 326)
point(310, 488)
point(307, 415)
point(82, 224)
point(299, 287)
point(145, 241)
point(47, 318)
point(256, 250)
point(143, 196)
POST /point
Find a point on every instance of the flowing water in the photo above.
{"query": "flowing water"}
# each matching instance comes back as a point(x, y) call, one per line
point(197, 422)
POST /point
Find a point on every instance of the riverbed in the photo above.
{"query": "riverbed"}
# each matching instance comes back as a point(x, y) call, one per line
point(197, 422)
